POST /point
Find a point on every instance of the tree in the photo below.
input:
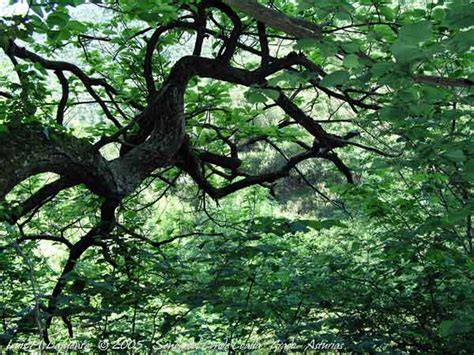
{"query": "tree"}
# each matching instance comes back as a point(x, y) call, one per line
point(390, 69)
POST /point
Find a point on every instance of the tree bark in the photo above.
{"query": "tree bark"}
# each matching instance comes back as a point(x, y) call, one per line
point(26, 150)
point(296, 27)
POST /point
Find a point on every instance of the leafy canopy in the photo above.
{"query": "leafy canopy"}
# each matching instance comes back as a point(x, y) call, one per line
point(238, 172)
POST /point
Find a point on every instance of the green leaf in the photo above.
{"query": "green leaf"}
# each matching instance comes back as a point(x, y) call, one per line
point(306, 43)
point(38, 9)
point(58, 18)
point(58, 36)
point(462, 41)
point(351, 61)
point(303, 224)
point(387, 12)
point(272, 94)
point(459, 15)
point(415, 33)
point(453, 327)
point(438, 13)
point(343, 16)
point(381, 68)
point(469, 167)
point(3, 129)
point(455, 155)
point(328, 49)
point(384, 32)
point(336, 78)
point(255, 96)
point(76, 26)
point(406, 52)
point(350, 47)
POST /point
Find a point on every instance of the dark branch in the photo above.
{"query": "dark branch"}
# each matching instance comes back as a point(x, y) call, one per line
point(290, 25)
point(64, 97)
point(105, 226)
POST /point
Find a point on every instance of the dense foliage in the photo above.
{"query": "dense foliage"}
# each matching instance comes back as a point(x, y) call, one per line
point(238, 173)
